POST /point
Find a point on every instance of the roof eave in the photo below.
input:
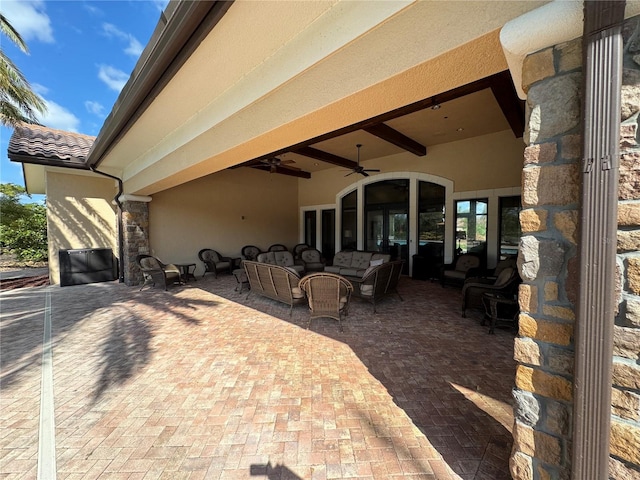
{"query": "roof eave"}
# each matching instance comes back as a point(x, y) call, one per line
point(181, 28)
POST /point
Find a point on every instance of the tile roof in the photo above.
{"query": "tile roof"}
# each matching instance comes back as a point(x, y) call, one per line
point(38, 144)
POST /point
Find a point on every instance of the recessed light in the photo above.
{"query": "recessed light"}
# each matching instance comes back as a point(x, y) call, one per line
point(436, 107)
point(460, 129)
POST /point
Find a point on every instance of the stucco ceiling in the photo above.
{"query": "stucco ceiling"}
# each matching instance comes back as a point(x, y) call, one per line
point(469, 116)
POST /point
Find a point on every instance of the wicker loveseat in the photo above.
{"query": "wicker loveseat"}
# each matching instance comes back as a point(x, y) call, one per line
point(355, 262)
point(378, 282)
point(275, 282)
point(282, 258)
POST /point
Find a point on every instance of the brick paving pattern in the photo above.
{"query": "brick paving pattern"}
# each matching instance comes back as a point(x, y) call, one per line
point(202, 382)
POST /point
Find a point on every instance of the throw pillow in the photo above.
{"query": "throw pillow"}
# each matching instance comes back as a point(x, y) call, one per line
point(375, 263)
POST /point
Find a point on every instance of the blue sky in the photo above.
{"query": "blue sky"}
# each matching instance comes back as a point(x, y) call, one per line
point(81, 54)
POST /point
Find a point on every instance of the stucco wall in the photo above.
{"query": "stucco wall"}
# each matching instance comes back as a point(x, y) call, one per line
point(480, 163)
point(223, 211)
point(80, 214)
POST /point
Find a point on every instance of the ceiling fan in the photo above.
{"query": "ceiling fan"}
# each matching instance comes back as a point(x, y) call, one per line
point(274, 162)
point(361, 170)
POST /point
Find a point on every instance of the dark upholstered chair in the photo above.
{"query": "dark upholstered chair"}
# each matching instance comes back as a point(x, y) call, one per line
point(328, 295)
point(277, 247)
point(506, 284)
point(214, 262)
point(156, 272)
point(312, 260)
point(457, 272)
point(250, 252)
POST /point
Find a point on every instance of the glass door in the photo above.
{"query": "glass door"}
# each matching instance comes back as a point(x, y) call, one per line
point(328, 228)
point(387, 219)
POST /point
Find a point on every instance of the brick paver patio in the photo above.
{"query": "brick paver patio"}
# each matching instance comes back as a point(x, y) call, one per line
point(201, 382)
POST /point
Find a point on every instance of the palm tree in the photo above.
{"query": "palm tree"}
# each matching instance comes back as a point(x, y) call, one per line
point(18, 103)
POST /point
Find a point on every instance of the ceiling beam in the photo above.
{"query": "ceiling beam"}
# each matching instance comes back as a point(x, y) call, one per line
point(391, 135)
point(283, 170)
point(487, 82)
point(512, 107)
point(325, 157)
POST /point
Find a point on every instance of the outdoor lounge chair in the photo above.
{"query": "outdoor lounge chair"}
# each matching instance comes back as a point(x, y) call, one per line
point(328, 295)
point(506, 284)
point(214, 262)
point(457, 272)
point(156, 272)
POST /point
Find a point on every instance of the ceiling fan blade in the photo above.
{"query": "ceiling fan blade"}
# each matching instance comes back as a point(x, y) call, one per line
point(350, 173)
point(364, 174)
point(372, 170)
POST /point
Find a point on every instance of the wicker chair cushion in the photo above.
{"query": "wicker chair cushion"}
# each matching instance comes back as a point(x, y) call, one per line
point(342, 259)
point(283, 258)
point(250, 252)
point(360, 260)
point(465, 262)
point(385, 257)
point(149, 263)
point(296, 292)
point(366, 290)
point(211, 256)
point(267, 257)
point(504, 276)
point(311, 255)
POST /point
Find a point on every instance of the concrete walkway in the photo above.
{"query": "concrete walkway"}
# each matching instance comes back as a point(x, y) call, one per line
point(200, 382)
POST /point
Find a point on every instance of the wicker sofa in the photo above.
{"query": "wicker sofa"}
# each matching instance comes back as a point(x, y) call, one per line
point(275, 282)
point(354, 263)
point(280, 257)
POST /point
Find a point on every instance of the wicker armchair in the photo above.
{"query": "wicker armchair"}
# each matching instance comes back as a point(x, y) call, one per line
point(214, 262)
point(506, 283)
point(457, 272)
point(250, 252)
point(154, 271)
point(312, 260)
point(378, 282)
point(328, 295)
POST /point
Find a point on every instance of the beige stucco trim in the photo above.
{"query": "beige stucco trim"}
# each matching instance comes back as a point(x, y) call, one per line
point(134, 198)
point(554, 23)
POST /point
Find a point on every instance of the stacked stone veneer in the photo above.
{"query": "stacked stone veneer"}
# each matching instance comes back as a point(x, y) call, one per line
point(548, 261)
point(135, 224)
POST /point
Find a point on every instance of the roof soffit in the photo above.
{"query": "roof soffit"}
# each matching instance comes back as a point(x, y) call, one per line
point(404, 39)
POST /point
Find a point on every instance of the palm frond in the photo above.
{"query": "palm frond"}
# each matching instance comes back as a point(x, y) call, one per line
point(12, 33)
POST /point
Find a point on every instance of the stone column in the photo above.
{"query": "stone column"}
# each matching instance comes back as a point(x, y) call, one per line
point(548, 262)
point(135, 225)
point(625, 421)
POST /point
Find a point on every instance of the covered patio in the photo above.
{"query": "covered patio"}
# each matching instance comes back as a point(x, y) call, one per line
point(202, 382)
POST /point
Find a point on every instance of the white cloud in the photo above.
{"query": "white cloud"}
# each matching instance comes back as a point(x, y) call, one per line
point(94, 107)
point(134, 47)
point(29, 18)
point(39, 89)
point(161, 4)
point(112, 77)
point(59, 117)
